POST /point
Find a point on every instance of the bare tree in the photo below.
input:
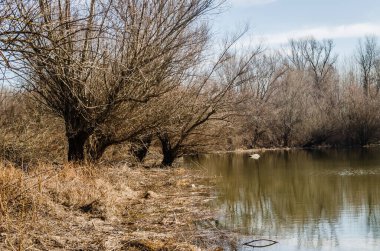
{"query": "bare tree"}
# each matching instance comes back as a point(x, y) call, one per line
point(265, 75)
point(296, 55)
point(314, 56)
point(290, 108)
point(186, 121)
point(360, 118)
point(87, 61)
point(368, 59)
point(206, 99)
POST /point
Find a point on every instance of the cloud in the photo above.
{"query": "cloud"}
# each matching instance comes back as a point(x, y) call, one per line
point(323, 32)
point(250, 2)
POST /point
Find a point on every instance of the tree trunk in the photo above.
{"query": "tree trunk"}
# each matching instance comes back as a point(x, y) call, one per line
point(285, 139)
point(170, 153)
point(169, 157)
point(363, 135)
point(140, 147)
point(76, 146)
point(97, 145)
point(96, 151)
point(77, 132)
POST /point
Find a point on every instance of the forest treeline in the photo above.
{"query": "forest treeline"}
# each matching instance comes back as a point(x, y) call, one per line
point(82, 77)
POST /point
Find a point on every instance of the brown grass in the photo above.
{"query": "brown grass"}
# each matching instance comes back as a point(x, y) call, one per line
point(105, 208)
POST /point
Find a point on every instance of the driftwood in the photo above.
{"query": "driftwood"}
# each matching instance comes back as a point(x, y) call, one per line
point(252, 243)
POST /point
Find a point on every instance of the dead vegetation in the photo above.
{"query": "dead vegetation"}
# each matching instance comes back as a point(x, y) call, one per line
point(105, 208)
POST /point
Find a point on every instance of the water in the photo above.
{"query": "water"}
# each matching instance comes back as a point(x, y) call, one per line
point(305, 200)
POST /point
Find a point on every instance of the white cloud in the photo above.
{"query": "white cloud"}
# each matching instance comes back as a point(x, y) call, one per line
point(250, 2)
point(324, 32)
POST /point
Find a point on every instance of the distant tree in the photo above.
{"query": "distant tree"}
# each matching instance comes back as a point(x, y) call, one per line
point(265, 74)
point(290, 108)
point(360, 118)
point(368, 57)
point(296, 55)
point(314, 56)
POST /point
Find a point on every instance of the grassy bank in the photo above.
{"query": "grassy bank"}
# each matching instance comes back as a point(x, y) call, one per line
point(106, 208)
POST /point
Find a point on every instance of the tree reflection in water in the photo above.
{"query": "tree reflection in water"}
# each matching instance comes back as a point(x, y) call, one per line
point(318, 198)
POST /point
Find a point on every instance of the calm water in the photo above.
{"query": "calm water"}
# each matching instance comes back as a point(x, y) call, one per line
point(305, 200)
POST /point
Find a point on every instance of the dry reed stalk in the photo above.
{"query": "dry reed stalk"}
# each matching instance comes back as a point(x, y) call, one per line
point(105, 208)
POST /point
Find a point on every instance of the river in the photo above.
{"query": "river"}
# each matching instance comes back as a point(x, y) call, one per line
point(303, 199)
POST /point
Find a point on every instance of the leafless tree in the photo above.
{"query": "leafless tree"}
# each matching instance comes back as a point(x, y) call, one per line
point(296, 55)
point(290, 108)
point(368, 57)
point(184, 127)
point(360, 117)
point(316, 57)
point(206, 99)
point(265, 75)
point(87, 61)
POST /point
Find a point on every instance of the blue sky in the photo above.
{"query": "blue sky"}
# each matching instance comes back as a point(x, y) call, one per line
point(275, 21)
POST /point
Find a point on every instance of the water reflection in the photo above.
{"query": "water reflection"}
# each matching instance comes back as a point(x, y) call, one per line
point(308, 200)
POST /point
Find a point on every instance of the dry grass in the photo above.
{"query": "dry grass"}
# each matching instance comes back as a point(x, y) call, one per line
point(105, 208)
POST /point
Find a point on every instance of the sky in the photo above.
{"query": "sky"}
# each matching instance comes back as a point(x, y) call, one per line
point(274, 22)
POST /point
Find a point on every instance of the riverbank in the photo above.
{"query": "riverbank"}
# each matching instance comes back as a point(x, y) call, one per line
point(255, 150)
point(106, 208)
